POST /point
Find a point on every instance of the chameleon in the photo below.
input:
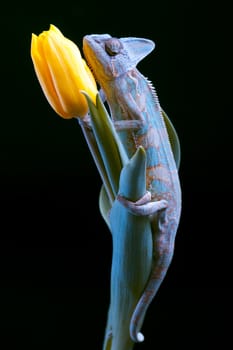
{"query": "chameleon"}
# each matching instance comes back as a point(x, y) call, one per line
point(141, 122)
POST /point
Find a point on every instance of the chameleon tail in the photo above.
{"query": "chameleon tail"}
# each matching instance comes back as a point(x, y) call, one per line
point(144, 302)
point(163, 253)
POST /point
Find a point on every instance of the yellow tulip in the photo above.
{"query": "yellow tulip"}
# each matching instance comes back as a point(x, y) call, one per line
point(62, 73)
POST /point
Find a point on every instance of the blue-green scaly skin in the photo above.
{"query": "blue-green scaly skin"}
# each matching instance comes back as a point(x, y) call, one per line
point(137, 114)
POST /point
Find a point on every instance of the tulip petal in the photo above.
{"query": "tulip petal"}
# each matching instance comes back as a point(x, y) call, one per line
point(43, 74)
point(82, 72)
point(67, 72)
point(54, 29)
point(60, 76)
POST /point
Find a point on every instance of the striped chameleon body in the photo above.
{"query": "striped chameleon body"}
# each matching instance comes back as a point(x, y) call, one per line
point(140, 121)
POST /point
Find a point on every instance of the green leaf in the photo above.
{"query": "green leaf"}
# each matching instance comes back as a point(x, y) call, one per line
point(109, 144)
point(173, 138)
point(93, 147)
point(104, 205)
point(133, 176)
point(132, 254)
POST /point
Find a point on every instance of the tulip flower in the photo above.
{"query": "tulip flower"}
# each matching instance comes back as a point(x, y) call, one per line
point(62, 73)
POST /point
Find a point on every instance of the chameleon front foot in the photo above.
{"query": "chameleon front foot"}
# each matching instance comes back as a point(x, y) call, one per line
point(143, 206)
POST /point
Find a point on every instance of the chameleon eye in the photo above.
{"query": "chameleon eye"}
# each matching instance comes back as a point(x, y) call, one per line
point(113, 46)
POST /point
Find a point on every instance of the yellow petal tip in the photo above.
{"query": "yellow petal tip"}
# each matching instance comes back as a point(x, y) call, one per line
point(53, 28)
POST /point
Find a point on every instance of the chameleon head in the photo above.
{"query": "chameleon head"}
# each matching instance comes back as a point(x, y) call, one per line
point(111, 57)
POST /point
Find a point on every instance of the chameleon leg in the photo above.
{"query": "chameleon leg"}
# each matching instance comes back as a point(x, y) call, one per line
point(119, 125)
point(142, 207)
point(144, 199)
point(128, 124)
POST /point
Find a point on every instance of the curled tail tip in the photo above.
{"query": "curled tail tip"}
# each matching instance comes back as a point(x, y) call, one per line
point(135, 323)
point(138, 337)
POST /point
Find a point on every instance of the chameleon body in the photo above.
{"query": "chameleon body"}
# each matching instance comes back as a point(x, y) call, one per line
point(139, 120)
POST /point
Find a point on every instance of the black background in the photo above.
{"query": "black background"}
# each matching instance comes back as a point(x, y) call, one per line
point(55, 249)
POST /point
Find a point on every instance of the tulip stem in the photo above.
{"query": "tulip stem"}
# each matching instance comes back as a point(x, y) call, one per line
point(91, 142)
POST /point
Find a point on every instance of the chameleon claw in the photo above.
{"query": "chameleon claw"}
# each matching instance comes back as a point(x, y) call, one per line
point(144, 206)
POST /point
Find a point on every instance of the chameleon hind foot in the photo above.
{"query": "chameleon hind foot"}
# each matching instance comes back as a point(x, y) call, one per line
point(143, 206)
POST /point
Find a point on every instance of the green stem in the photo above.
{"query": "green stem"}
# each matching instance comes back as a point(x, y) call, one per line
point(91, 142)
